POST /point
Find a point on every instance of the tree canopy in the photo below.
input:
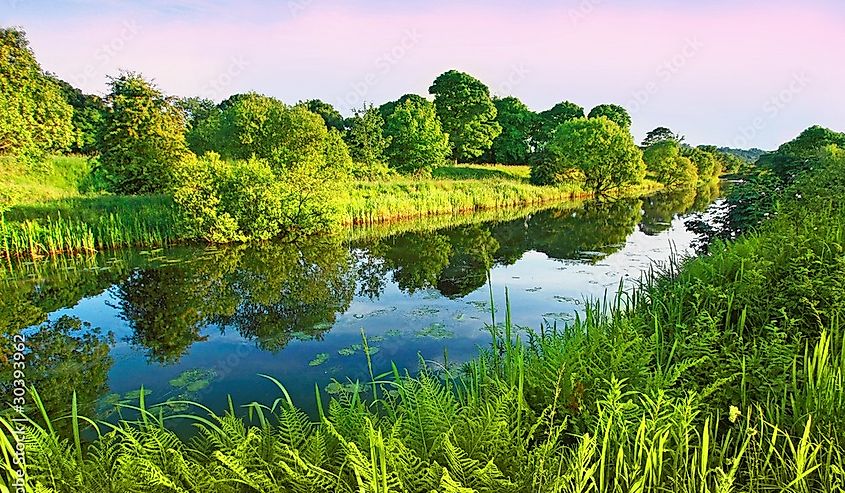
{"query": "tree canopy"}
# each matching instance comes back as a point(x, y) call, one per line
point(661, 134)
point(143, 137)
point(512, 146)
point(466, 112)
point(418, 144)
point(614, 113)
point(367, 142)
point(330, 115)
point(35, 118)
point(603, 151)
point(665, 163)
point(549, 120)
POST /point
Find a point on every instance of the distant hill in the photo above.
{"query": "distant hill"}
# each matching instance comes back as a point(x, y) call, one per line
point(747, 155)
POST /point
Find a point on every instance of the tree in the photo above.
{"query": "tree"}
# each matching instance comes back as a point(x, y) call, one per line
point(548, 121)
point(367, 142)
point(202, 119)
point(661, 134)
point(34, 117)
point(88, 110)
point(331, 116)
point(512, 146)
point(417, 143)
point(466, 112)
point(143, 138)
point(604, 152)
point(706, 163)
point(614, 112)
point(289, 138)
point(666, 164)
point(388, 108)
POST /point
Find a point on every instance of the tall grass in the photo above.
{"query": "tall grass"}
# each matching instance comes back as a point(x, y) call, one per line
point(87, 225)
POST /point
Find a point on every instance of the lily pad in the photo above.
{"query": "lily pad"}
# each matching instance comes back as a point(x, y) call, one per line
point(435, 331)
point(375, 339)
point(393, 333)
point(425, 311)
point(346, 351)
point(194, 380)
point(336, 387)
point(319, 359)
point(371, 350)
point(134, 395)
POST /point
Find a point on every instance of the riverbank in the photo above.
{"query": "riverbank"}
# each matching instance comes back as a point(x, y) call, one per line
point(723, 373)
point(60, 220)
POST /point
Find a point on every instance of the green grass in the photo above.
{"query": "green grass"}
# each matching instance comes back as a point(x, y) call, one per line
point(57, 178)
point(56, 219)
point(722, 373)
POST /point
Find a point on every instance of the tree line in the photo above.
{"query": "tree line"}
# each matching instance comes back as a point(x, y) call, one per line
point(252, 166)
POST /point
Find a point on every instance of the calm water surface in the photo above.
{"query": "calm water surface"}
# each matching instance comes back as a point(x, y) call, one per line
point(202, 323)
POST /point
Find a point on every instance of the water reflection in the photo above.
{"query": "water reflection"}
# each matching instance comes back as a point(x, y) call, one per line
point(170, 303)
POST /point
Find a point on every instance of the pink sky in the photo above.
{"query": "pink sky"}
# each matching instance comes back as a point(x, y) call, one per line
point(730, 73)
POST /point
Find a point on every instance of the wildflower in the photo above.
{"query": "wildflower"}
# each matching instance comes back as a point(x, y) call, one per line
point(734, 414)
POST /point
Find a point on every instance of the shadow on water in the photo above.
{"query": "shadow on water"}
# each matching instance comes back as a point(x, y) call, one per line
point(182, 313)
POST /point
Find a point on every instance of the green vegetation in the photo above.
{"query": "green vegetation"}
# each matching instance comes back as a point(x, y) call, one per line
point(724, 373)
point(598, 148)
point(143, 137)
point(466, 112)
point(417, 142)
point(612, 112)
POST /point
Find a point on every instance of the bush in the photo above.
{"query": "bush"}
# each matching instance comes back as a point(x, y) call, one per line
point(224, 202)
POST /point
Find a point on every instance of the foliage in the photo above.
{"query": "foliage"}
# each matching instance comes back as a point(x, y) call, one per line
point(202, 120)
point(367, 143)
point(88, 111)
point(661, 134)
point(466, 112)
point(707, 164)
point(35, 119)
point(247, 200)
point(664, 161)
point(290, 139)
point(331, 117)
point(513, 145)
point(143, 137)
point(597, 147)
point(614, 113)
point(548, 121)
point(388, 108)
point(417, 142)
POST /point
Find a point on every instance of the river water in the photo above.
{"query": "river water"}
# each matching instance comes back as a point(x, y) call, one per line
point(202, 323)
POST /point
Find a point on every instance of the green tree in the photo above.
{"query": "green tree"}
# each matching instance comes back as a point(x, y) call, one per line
point(548, 121)
point(289, 138)
point(88, 110)
point(143, 137)
point(665, 163)
point(331, 116)
point(466, 112)
point(417, 142)
point(512, 146)
point(367, 143)
point(202, 119)
point(34, 117)
point(604, 152)
point(706, 163)
point(661, 134)
point(388, 108)
point(614, 112)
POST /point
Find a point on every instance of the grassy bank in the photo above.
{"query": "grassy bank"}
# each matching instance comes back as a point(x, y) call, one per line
point(58, 219)
point(724, 373)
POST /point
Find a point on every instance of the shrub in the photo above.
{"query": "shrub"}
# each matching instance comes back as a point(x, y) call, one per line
point(236, 201)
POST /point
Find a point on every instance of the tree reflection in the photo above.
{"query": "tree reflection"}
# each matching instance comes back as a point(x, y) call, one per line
point(64, 356)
